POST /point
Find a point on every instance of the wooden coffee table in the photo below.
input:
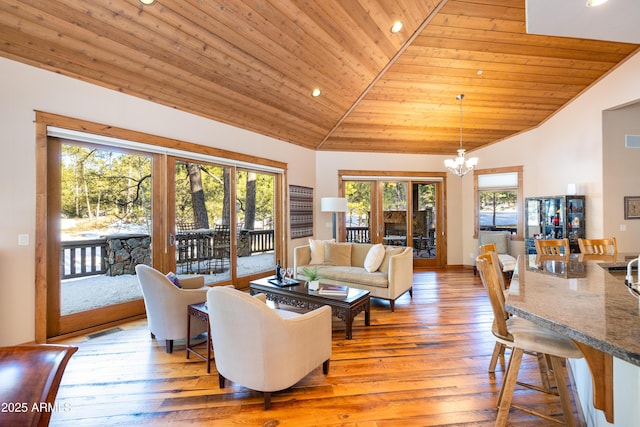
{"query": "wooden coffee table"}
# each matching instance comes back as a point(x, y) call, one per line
point(299, 296)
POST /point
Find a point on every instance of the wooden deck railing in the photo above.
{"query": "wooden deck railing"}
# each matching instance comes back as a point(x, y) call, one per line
point(358, 235)
point(82, 258)
point(262, 241)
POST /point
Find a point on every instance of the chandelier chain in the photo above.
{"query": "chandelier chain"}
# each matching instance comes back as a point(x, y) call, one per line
point(460, 166)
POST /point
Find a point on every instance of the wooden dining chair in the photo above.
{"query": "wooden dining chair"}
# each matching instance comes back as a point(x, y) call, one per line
point(598, 246)
point(526, 337)
point(488, 248)
point(501, 323)
point(552, 247)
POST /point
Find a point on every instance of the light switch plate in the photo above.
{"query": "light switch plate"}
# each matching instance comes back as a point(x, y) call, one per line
point(23, 240)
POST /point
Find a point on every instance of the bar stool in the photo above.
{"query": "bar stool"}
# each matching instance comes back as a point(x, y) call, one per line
point(527, 337)
point(598, 246)
point(552, 247)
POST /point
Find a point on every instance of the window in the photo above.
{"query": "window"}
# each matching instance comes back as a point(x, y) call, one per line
point(176, 205)
point(498, 200)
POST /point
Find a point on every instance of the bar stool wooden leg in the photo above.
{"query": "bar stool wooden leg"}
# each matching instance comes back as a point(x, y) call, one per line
point(498, 351)
point(544, 371)
point(508, 386)
point(563, 390)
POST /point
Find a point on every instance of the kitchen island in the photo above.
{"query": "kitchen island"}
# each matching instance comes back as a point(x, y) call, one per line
point(586, 300)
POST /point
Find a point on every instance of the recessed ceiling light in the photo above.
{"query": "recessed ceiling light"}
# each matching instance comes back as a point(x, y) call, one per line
point(594, 3)
point(147, 2)
point(396, 27)
point(316, 92)
point(480, 72)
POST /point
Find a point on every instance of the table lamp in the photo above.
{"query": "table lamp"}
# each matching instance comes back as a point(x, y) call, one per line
point(334, 205)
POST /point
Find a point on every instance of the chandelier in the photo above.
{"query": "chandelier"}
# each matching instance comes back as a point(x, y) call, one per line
point(460, 166)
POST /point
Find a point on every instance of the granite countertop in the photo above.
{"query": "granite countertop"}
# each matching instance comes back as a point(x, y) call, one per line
point(580, 299)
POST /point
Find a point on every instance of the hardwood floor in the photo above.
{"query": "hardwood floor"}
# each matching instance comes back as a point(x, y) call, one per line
point(423, 365)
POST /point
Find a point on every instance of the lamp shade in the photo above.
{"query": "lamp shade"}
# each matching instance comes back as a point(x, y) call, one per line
point(333, 204)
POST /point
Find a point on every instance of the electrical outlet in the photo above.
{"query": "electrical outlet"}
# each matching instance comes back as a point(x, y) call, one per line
point(623, 227)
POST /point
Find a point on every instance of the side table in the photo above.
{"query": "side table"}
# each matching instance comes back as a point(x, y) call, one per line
point(200, 312)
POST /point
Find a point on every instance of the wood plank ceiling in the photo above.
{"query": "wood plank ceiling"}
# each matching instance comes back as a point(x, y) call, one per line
point(254, 63)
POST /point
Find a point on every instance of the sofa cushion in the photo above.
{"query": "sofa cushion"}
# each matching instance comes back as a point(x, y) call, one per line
point(359, 252)
point(337, 253)
point(374, 258)
point(388, 253)
point(317, 251)
point(355, 275)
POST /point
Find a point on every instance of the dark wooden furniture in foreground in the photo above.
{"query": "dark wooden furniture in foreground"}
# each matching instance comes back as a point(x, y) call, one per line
point(344, 308)
point(199, 312)
point(29, 380)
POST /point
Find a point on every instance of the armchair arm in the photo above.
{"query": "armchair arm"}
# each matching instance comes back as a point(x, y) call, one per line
point(192, 296)
point(261, 297)
point(400, 273)
point(193, 282)
point(308, 337)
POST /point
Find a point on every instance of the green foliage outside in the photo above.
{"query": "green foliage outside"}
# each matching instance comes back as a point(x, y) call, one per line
point(264, 199)
point(359, 202)
point(213, 186)
point(105, 187)
point(394, 198)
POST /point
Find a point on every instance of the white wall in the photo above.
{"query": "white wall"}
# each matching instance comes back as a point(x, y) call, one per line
point(621, 175)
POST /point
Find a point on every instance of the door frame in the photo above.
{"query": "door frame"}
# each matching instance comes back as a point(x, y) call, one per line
point(439, 178)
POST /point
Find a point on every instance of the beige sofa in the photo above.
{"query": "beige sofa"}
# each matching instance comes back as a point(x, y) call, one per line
point(343, 263)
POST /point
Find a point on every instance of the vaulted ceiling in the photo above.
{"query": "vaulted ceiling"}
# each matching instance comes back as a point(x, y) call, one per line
point(254, 63)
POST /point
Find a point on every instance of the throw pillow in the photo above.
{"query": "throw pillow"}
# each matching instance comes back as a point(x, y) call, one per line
point(374, 258)
point(388, 253)
point(317, 251)
point(337, 253)
point(174, 279)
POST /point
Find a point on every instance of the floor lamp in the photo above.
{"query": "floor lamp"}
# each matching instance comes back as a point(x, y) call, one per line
point(334, 205)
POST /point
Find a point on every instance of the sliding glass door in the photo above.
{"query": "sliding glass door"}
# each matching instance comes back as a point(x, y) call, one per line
point(394, 213)
point(110, 204)
point(425, 220)
point(255, 222)
point(358, 219)
point(101, 222)
point(202, 232)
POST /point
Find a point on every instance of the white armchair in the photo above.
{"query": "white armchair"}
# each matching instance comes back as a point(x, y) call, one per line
point(265, 349)
point(166, 304)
